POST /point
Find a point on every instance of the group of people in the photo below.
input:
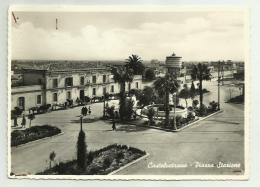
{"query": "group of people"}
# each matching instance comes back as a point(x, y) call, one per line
point(85, 110)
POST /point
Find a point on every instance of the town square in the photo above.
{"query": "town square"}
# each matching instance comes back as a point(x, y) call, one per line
point(126, 109)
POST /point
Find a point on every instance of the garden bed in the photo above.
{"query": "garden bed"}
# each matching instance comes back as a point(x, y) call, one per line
point(19, 137)
point(100, 162)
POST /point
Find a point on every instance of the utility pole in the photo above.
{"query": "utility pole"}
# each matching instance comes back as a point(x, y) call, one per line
point(56, 23)
point(219, 85)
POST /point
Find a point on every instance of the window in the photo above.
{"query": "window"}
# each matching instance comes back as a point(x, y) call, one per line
point(82, 81)
point(136, 85)
point(94, 91)
point(104, 78)
point(21, 102)
point(54, 83)
point(112, 89)
point(39, 81)
point(94, 79)
point(39, 99)
point(104, 90)
point(55, 97)
point(68, 82)
point(68, 95)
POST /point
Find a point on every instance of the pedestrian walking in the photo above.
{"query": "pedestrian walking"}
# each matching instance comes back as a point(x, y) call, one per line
point(85, 111)
point(113, 125)
point(23, 124)
point(82, 111)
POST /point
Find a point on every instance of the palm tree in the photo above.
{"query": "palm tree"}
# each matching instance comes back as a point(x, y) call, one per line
point(134, 62)
point(200, 72)
point(105, 98)
point(164, 86)
point(185, 94)
point(122, 75)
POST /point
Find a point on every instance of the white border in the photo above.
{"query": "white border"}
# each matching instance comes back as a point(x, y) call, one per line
point(135, 8)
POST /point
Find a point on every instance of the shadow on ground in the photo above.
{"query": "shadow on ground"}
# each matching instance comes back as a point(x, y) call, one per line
point(130, 128)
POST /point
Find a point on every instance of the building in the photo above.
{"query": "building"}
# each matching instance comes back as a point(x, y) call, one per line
point(56, 86)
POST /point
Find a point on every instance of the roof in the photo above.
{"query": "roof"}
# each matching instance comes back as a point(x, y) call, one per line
point(58, 65)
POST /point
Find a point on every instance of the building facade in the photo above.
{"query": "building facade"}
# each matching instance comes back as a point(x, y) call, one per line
point(43, 86)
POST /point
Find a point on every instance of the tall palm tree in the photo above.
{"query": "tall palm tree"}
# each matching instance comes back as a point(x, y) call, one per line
point(164, 86)
point(105, 98)
point(135, 63)
point(122, 75)
point(200, 72)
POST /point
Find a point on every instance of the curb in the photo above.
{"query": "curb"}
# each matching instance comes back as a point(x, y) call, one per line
point(197, 121)
point(129, 164)
point(34, 141)
point(169, 130)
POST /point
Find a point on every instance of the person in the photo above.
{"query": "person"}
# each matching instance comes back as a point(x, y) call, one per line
point(89, 110)
point(85, 111)
point(113, 125)
point(23, 124)
point(82, 110)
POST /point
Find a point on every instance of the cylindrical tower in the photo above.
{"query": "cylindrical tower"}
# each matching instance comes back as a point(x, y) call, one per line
point(173, 64)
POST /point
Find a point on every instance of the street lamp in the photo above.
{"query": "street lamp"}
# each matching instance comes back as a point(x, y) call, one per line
point(173, 65)
point(81, 117)
point(219, 84)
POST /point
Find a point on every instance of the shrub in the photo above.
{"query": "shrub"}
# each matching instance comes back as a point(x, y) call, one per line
point(34, 133)
point(190, 116)
point(111, 112)
point(195, 103)
point(107, 162)
point(150, 115)
point(90, 157)
point(119, 156)
point(213, 106)
point(81, 151)
point(202, 111)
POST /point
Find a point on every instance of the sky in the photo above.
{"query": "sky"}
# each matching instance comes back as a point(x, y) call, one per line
point(196, 36)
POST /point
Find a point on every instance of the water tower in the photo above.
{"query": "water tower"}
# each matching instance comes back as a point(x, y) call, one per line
point(173, 64)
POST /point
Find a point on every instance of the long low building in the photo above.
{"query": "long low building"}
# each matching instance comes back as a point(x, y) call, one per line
point(45, 86)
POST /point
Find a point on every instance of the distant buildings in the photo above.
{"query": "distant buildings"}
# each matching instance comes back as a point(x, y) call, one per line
point(40, 86)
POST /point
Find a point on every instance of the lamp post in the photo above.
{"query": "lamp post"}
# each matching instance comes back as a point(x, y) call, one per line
point(173, 65)
point(81, 117)
point(218, 85)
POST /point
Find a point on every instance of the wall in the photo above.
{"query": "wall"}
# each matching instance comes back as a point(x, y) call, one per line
point(30, 95)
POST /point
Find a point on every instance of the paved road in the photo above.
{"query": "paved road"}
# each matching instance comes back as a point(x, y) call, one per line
point(219, 138)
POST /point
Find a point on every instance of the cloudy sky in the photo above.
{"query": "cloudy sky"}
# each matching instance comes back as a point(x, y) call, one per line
point(116, 35)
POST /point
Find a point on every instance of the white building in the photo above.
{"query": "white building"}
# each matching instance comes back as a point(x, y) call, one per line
point(44, 86)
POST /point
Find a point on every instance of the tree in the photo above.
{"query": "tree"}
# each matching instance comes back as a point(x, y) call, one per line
point(150, 115)
point(31, 117)
point(105, 98)
point(52, 157)
point(200, 72)
point(81, 151)
point(185, 94)
point(129, 109)
point(164, 86)
point(146, 97)
point(193, 91)
point(135, 63)
point(149, 74)
point(122, 75)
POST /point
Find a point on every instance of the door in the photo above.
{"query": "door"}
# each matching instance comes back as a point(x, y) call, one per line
point(81, 95)
point(21, 103)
